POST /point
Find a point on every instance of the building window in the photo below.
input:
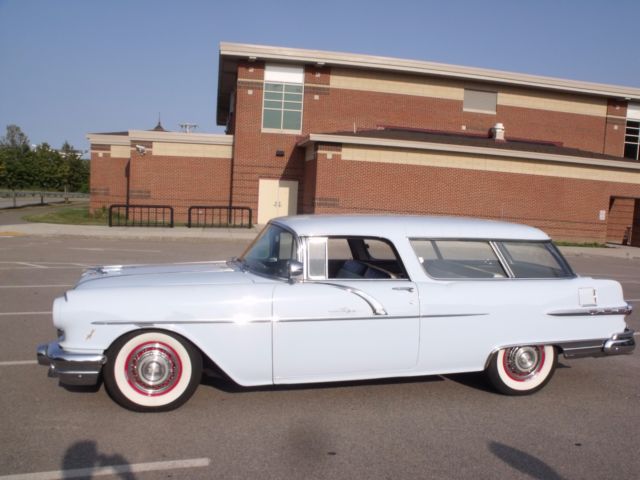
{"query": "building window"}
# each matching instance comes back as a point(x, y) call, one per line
point(283, 98)
point(631, 139)
point(480, 101)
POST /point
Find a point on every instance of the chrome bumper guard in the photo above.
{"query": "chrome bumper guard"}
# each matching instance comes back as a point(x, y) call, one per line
point(619, 344)
point(72, 369)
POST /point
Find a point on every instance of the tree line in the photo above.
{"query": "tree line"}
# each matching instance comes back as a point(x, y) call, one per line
point(23, 167)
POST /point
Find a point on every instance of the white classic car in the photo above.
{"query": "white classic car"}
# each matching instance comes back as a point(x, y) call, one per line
point(334, 298)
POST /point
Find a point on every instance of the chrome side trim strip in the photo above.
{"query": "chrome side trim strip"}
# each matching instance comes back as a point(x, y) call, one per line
point(186, 322)
point(284, 320)
point(621, 310)
point(375, 305)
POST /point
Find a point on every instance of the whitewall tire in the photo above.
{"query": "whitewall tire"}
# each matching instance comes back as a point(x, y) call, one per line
point(522, 370)
point(152, 371)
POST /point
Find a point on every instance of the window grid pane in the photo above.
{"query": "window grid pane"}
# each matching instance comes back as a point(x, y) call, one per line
point(282, 106)
point(632, 140)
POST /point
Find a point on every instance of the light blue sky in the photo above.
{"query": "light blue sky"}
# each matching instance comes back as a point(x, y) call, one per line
point(69, 67)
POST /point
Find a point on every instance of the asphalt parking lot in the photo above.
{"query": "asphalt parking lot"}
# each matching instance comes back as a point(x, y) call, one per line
point(583, 425)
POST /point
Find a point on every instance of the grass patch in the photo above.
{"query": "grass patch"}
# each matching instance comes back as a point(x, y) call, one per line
point(76, 215)
point(577, 244)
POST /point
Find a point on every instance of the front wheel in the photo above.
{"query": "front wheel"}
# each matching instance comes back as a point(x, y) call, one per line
point(152, 371)
point(522, 370)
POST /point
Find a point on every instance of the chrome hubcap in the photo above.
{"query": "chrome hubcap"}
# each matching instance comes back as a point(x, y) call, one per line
point(153, 368)
point(522, 363)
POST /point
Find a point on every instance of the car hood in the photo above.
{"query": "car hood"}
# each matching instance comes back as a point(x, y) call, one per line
point(205, 273)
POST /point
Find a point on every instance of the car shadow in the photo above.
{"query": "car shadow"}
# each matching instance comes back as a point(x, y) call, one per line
point(475, 380)
point(221, 382)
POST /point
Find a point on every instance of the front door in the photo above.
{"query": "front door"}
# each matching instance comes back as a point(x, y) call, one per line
point(344, 329)
point(276, 198)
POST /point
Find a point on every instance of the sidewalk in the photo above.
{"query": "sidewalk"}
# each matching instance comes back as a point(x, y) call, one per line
point(177, 233)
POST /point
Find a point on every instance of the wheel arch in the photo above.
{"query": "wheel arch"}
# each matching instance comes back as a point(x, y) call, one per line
point(172, 331)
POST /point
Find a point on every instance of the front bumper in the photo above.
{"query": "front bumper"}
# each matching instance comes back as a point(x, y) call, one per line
point(619, 344)
point(71, 368)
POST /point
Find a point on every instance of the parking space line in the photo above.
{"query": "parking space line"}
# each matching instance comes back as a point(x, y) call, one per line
point(18, 362)
point(35, 286)
point(31, 265)
point(111, 470)
point(77, 267)
point(10, 314)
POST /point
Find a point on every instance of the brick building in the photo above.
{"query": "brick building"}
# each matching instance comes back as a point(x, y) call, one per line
point(321, 132)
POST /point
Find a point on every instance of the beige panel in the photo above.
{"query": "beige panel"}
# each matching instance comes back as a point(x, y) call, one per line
point(120, 151)
point(555, 102)
point(191, 150)
point(267, 200)
point(276, 198)
point(486, 163)
point(395, 83)
point(287, 197)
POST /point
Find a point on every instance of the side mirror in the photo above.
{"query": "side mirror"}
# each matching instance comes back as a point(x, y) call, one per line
point(295, 271)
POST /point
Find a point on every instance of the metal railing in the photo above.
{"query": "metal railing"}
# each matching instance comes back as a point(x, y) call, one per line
point(140, 216)
point(212, 216)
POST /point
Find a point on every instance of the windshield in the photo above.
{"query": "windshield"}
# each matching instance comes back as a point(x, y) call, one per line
point(271, 252)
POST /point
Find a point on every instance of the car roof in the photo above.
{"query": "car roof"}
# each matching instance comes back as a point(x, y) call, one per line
point(413, 226)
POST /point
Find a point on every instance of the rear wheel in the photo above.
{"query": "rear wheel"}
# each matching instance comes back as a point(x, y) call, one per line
point(152, 371)
point(523, 369)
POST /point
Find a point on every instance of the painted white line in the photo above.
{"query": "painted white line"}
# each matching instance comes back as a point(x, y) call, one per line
point(111, 470)
point(94, 249)
point(13, 314)
point(35, 286)
point(633, 300)
point(18, 362)
point(48, 268)
point(31, 265)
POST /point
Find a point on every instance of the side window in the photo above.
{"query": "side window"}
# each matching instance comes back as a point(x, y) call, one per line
point(363, 258)
point(448, 259)
point(535, 260)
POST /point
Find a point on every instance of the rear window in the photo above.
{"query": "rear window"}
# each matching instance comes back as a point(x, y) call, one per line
point(476, 259)
point(535, 260)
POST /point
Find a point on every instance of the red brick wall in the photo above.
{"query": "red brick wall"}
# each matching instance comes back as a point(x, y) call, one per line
point(620, 218)
point(179, 182)
point(108, 182)
point(331, 110)
point(567, 209)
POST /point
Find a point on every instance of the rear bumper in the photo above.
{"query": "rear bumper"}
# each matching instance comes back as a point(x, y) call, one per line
point(71, 368)
point(619, 344)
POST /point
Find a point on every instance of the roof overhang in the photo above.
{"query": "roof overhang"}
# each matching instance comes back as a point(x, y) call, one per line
point(107, 139)
point(232, 53)
point(466, 149)
point(156, 136)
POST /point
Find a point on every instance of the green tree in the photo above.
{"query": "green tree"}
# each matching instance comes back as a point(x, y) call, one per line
point(74, 170)
point(15, 138)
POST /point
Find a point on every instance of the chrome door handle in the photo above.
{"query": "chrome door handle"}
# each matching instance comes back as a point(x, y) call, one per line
point(406, 289)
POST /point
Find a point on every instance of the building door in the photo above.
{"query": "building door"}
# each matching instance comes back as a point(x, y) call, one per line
point(276, 198)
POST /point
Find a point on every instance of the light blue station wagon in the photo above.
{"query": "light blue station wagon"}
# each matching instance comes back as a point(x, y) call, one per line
point(335, 298)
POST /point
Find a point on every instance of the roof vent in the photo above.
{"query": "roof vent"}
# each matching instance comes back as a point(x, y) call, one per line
point(497, 132)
